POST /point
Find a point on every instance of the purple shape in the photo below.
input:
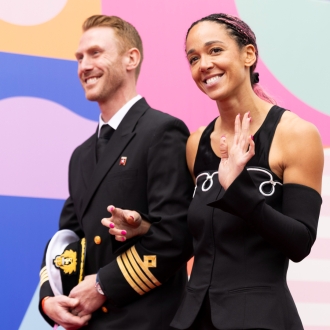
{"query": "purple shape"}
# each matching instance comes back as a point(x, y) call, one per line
point(37, 138)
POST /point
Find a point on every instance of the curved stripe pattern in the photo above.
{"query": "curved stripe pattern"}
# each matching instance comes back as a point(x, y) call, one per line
point(136, 273)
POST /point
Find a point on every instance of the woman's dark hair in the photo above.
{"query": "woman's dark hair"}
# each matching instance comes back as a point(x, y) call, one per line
point(243, 36)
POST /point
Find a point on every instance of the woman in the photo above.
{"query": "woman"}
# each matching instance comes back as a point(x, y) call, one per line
point(263, 209)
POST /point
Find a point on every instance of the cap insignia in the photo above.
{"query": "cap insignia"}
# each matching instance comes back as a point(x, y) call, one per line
point(67, 261)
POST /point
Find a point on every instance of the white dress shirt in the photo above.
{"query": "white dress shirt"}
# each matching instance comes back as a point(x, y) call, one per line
point(119, 115)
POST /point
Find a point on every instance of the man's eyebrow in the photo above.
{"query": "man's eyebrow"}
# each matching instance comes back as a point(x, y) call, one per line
point(91, 48)
point(208, 43)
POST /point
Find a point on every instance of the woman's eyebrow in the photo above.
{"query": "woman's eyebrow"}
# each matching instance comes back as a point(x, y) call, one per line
point(208, 43)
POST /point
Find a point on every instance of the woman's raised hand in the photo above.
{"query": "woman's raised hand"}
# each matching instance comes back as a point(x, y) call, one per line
point(242, 150)
point(125, 224)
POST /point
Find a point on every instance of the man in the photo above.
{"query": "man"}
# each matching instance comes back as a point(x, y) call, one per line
point(137, 285)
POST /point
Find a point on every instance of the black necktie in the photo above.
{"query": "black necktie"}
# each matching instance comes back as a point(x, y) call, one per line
point(105, 135)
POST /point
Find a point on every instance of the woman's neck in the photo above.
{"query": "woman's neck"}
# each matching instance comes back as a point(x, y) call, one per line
point(230, 108)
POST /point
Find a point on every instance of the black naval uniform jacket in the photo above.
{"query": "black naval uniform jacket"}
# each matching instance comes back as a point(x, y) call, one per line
point(143, 278)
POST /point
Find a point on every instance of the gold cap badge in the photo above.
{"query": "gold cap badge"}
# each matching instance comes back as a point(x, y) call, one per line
point(67, 261)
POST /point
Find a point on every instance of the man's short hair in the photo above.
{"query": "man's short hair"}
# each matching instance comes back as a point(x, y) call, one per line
point(128, 37)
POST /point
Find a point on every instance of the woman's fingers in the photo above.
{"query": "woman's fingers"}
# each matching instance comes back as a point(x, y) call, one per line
point(120, 238)
point(237, 129)
point(245, 131)
point(106, 222)
point(110, 208)
point(124, 217)
point(120, 234)
point(251, 150)
point(115, 211)
point(241, 151)
point(246, 124)
point(223, 147)
point(123, 224)
point(118, 216)
point(117, 232)
point(133, 218)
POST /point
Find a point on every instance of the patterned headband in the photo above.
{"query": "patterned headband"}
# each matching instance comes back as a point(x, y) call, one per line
point(234, 23)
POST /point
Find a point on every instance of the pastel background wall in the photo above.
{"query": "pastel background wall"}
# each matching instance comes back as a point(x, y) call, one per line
point(44, 116)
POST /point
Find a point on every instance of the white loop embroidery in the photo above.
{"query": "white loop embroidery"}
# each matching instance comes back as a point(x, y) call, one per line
point(209, 178)
point(271, 181)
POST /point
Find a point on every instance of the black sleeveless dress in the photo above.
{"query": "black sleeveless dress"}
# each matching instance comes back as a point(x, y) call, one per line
point(238, 277)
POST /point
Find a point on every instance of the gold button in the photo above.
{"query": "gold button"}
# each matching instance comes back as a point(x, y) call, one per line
point(97, 240)
point(104, 309)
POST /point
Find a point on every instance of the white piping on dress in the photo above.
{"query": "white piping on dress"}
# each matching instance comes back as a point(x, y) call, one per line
point(209, 177)
point(271, 181)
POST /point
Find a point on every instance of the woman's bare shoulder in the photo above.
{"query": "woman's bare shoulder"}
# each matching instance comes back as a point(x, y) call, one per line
point(292, 127)
point(302, 151)
point(192, 147)
point(195, 137)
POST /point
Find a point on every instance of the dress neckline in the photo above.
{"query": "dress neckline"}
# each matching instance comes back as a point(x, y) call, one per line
point(255, 136)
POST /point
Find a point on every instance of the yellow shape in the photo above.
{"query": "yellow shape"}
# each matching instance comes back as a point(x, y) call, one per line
point(143, 266)
point(57, 38)
point(67, 261)
point(138, 270)
point(82, 261)
point(150, 261)
point(128, 277)
point(97, 240)
point(43, 275)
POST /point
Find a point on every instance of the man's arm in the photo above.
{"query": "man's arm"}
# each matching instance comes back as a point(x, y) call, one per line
point(56, 309)
point(167, 245)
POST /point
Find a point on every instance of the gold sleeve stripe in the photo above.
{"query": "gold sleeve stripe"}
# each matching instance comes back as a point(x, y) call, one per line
point(43, 270)
point(82, 259)
point(144, 268)
point(133, 274)
point(127, 277)
point(139, 272)
point(43, 275)
point(43, 280)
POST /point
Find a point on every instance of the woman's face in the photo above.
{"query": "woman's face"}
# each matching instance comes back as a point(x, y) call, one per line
point(217, 64)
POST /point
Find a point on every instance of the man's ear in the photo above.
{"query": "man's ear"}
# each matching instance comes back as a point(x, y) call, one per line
point(250, 55)
point(132, 59)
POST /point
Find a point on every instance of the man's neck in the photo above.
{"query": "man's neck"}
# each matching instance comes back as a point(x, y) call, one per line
point(110, 107)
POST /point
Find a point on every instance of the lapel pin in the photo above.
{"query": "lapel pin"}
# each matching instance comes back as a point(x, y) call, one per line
point(123, 161)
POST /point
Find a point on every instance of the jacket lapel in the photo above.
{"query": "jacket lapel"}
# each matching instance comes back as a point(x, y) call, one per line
point(118, 142)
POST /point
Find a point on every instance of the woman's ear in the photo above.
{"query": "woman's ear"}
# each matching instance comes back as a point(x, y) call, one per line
point(250, 55)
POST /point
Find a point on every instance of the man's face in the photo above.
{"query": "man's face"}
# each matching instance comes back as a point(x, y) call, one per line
point(101, 67)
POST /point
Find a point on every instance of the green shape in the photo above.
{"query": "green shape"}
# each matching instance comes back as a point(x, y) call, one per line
point(294, 43)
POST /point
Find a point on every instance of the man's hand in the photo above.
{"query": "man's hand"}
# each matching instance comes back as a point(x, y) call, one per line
point(89, 299)
point(58, 309)
point(125, 224)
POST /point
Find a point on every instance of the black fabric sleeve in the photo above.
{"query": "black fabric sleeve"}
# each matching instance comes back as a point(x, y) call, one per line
point(167, 246)
point(68, 218)
point(45, 289)
point(293, 231)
